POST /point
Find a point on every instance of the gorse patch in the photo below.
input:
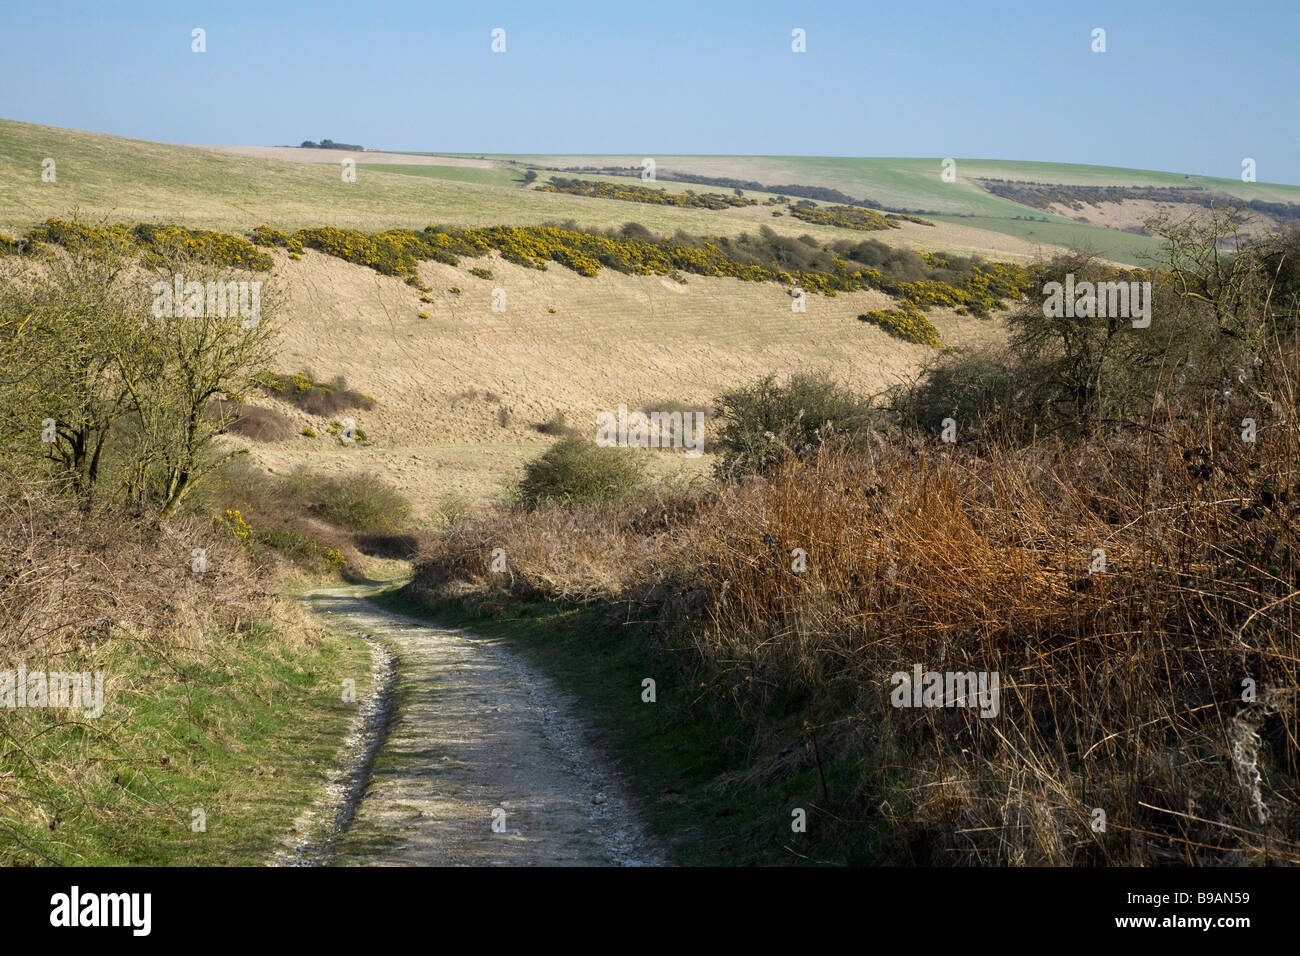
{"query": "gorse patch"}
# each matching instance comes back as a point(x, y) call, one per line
point(266, 236)
point(853, 217)
point(908, 324)
point(156, 243)
point(920, 278)
point(643, 194)
point(924, 279)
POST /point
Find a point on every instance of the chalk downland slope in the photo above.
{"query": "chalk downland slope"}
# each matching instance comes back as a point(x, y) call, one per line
point(458, 394)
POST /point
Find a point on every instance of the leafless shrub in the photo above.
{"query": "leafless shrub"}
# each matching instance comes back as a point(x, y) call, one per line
point(251, 421)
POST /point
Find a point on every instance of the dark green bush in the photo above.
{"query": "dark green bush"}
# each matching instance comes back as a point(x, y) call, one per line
point(761, 422)
point(577, 471)
point(359, 502)
point(979, 390)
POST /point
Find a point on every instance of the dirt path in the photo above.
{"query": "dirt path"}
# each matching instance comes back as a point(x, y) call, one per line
point(480, 739)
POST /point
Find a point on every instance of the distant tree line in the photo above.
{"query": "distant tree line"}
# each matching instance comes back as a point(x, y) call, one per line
point(330, 144)
point(1043, 195)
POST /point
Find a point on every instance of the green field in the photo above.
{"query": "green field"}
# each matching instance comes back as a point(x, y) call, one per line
point(1123, 247)
point(916, 183)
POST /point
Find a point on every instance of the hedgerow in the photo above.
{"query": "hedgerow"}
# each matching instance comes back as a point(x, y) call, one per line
point(1044, 195)
point(852, 217)
point(780, 192)
point(643, 194)
point(977, 286)
point(922, 279)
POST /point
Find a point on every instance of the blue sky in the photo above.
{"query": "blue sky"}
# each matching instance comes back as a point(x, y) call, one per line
point(1190, 86)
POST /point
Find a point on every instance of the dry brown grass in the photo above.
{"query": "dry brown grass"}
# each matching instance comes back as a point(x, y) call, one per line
point(1120, 691)
point(440, 384)
point(553, 552)
point(69, 578)
point(251, 421)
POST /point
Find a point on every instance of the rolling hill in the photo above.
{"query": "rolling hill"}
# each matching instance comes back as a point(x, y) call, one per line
point(461, 390)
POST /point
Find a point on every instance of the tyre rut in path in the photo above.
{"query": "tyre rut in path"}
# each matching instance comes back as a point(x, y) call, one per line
point(478, 734)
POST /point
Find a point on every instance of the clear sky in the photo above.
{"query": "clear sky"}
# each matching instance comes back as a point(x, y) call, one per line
point(1190, 86)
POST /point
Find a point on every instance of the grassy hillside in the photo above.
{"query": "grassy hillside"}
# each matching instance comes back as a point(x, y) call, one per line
point(462, 389)
point(136, 180)
point(139, 180)
point(500, 176)
point(458, 394)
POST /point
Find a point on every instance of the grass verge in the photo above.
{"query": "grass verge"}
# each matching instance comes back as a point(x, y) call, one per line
point(244, 732)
